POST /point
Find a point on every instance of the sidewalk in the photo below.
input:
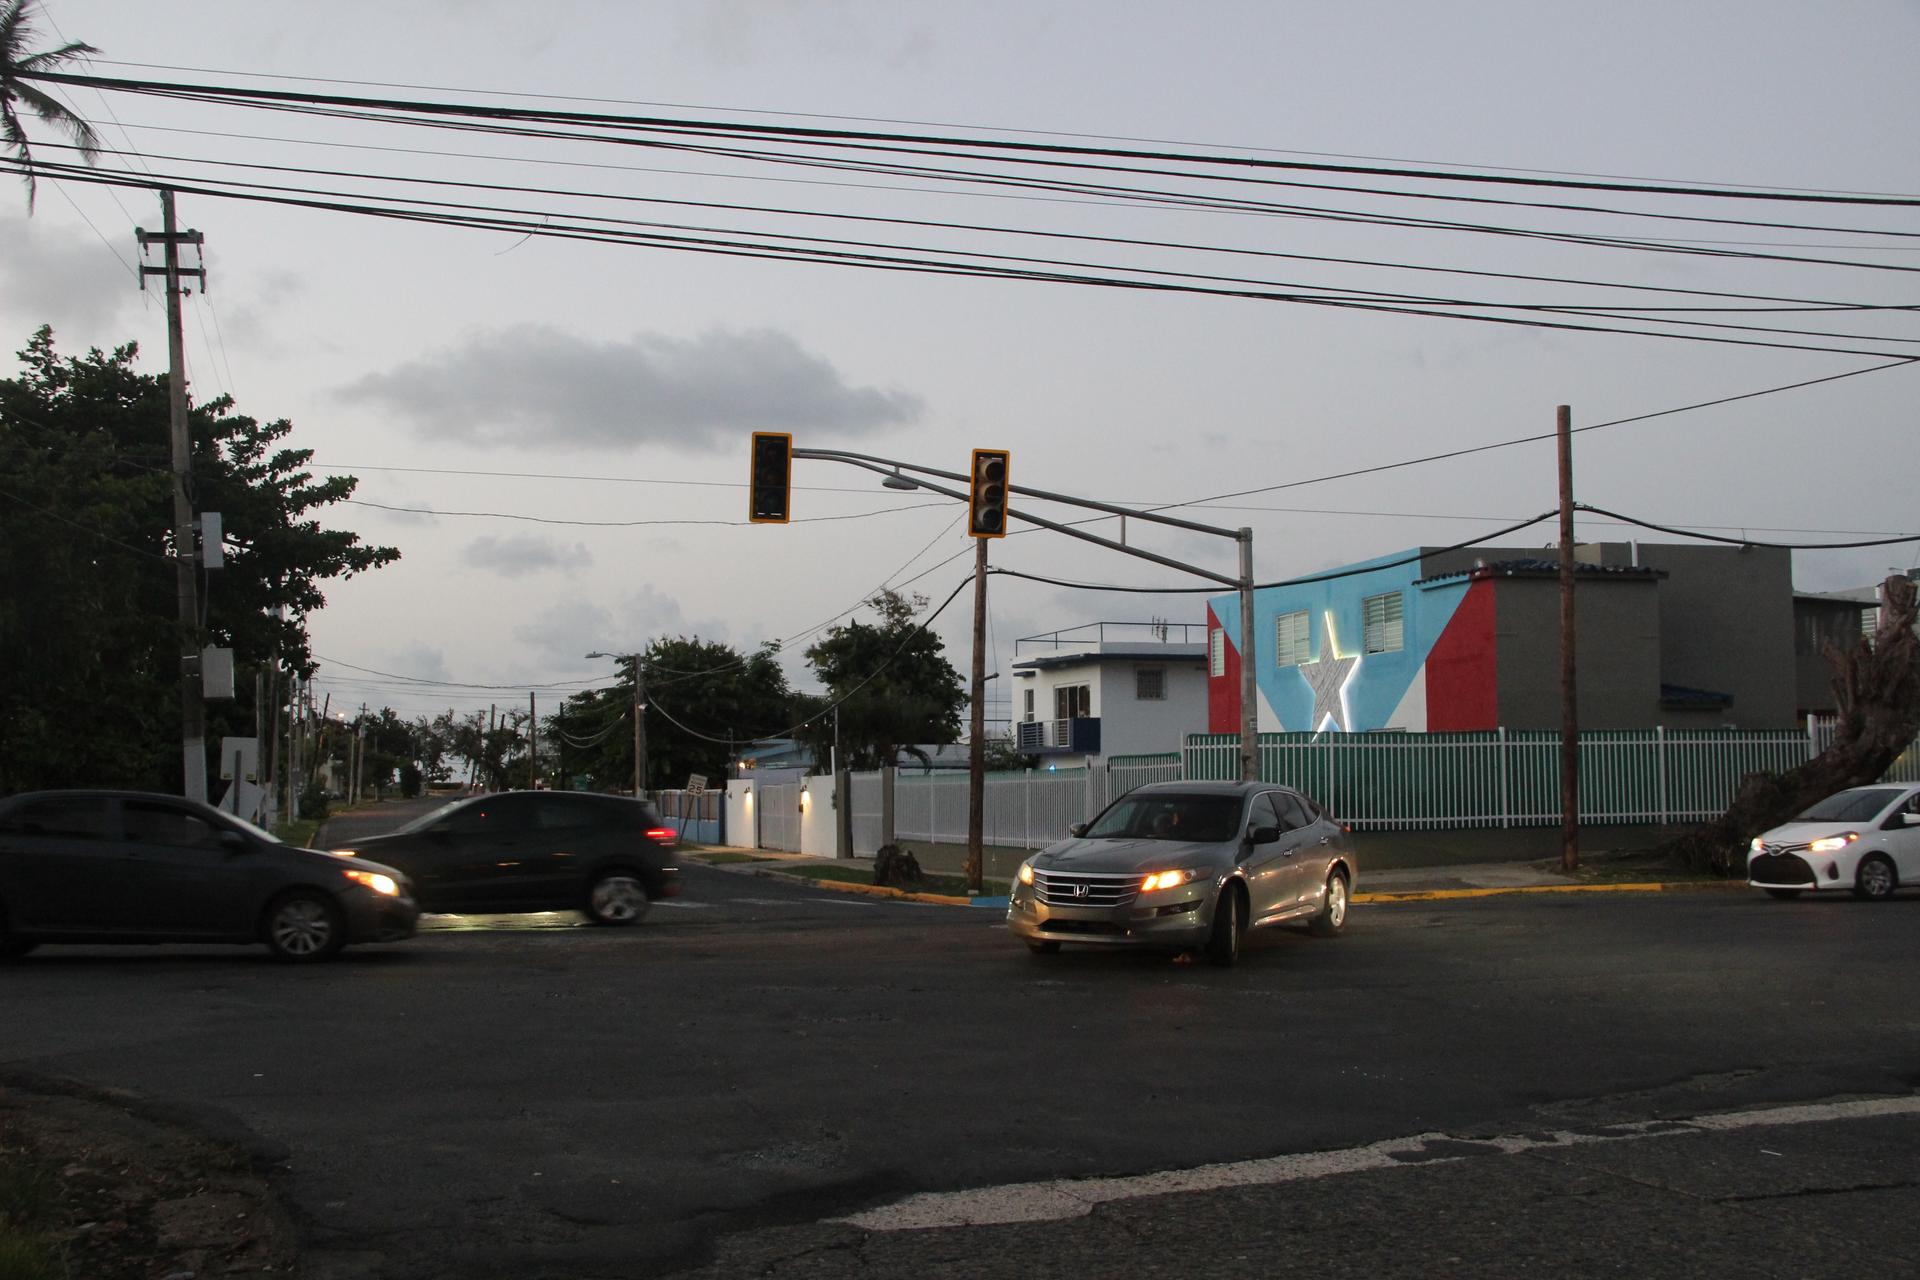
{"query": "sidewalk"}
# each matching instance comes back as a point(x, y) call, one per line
point(1409, 884)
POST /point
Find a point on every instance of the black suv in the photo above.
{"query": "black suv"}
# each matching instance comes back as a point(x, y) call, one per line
point(607, 856)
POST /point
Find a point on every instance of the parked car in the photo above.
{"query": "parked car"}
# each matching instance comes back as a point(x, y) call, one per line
point(607, 856)
point(126, 866)
point(1187, 864)
point(1866, 839)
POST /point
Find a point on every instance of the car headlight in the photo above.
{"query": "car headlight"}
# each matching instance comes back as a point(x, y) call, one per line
point(1026, 872)
point(1758, 846)
point(1833, 844)
point(373, 880)
point(1167, 879)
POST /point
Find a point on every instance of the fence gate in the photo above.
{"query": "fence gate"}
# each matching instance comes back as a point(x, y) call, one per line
point(867, 805)
point(779, 816)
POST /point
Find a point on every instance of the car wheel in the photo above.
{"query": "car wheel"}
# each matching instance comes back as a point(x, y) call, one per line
point(1875, 880)
point(617, 898)
point(305, 927)
point(1333, 913)
point(1223, 944)
point(1043, 947)
point(1785, 895)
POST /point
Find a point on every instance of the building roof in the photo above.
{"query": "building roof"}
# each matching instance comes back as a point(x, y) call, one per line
point(1541, 567)
point(1157, 653)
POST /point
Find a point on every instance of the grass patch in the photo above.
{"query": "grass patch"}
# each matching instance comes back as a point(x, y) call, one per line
point(299, 832)
point(726, 859)
point(1637, 868)
point(951, 886)
point(29, 1203)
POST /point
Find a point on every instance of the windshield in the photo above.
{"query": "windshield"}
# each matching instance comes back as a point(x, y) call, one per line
point(1211, 819)
point(1851, 806)
point(426, 820)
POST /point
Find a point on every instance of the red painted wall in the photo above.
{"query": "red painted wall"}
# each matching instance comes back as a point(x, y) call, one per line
point(1223, 692)
point(1463, 682)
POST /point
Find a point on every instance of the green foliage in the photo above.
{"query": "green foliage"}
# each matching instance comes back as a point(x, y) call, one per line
point(18, 93)
point(702, 698)
point(90, 639)
point(893, 683)
point(313, 803)
point(410, 780)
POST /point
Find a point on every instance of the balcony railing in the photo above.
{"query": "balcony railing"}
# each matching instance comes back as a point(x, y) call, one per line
point(1079, 736)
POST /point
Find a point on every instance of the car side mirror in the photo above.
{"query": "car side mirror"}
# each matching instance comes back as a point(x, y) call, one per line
point(1910, 819)
point(234, 842)
point(1264, 835)
point(1077, 830)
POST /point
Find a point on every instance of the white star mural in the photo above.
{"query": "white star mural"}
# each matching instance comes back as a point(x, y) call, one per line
point(1328, 678)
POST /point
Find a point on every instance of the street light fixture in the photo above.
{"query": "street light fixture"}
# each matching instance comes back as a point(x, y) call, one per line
point(639, 719)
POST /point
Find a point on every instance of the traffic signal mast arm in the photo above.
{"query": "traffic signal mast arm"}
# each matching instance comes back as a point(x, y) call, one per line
point(887, 467)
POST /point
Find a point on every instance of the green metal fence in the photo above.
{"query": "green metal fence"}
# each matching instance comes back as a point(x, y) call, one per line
point(1389, 781)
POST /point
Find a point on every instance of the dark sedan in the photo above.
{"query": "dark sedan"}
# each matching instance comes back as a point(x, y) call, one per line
point(607, 856)
point(127, 866)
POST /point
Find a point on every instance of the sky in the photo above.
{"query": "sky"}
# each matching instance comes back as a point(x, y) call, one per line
point(555, 432)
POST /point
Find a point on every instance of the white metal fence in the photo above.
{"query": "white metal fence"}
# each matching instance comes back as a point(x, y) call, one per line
point(1026, 810)
point(778, 813)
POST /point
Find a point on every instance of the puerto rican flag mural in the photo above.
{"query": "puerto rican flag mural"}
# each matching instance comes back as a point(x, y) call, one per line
point(1433, 665)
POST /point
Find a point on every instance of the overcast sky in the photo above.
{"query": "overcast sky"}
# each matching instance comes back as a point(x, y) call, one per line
point(608, 392)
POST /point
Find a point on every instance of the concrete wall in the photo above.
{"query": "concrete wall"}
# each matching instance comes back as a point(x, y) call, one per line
point(1726, 624)
point(1617, 660)
point(1131, 726)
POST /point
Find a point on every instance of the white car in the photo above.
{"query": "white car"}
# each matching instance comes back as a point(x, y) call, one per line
point(1866, 839)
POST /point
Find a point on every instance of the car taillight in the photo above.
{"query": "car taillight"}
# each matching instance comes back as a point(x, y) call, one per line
point(663, 834)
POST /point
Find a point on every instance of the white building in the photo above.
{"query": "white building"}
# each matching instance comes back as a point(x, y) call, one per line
point(1108, 689)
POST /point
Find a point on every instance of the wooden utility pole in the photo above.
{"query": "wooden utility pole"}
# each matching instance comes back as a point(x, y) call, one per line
point(639, 731)
point(193, 715)
point(977, 727)
point(533, 743)
point(1569, 694)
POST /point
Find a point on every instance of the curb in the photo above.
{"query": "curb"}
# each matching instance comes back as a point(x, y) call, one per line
point(1441, 895)
point(848, 886)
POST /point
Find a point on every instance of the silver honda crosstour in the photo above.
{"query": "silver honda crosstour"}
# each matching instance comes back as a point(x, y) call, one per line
point(1182, 865)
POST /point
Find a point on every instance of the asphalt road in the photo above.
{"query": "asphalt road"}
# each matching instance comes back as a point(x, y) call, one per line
point(717, 1090)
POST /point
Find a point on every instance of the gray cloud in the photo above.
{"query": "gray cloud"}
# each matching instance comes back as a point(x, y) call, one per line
point(522, 554)
point(74, 277)
point(534, 384)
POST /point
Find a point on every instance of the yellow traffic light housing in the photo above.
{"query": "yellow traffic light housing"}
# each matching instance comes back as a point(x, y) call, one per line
point(769, 484)
point(987, 494)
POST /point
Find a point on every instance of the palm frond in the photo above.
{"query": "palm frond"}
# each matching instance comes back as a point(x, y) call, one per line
point(57, 113)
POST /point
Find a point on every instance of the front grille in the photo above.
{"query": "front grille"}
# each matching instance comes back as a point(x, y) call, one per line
point(1084, 889)
point(1780, 868)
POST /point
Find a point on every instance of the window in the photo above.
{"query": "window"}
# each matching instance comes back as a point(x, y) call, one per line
point(72, 816)
point(1150, 684)
point(151, 823)
point(1073, 702)
point(1026, 707)
point(1292, 639)
point(1383, 622)
point(1217, 652)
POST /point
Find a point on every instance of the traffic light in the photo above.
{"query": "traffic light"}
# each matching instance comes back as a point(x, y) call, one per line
point(987, 494)
point(768, 486)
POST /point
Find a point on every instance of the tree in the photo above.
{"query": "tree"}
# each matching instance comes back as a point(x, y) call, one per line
point(893, 686)
point(16, 64)
point(702, 698)
point(90, 639)
point(1876, 683)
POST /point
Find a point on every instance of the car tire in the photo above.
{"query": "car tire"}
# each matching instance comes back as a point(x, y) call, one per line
point(1332, 917)
point(617, 899)
point(1875, 881)
point(1229, 924)
point(1043, 947)
point(1785, 895)
point(304, 927)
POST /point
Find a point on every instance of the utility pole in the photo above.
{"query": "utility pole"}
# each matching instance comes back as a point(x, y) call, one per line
point(1249, 670)
point(639, 730)
point(1569, 695)
point(977, 726)
point(193, 716)
point(533, 743)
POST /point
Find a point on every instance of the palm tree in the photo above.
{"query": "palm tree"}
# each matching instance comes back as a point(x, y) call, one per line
point(15, 65)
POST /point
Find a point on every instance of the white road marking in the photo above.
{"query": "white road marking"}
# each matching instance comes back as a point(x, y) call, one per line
point(1075, 1198)
point(681, 904)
